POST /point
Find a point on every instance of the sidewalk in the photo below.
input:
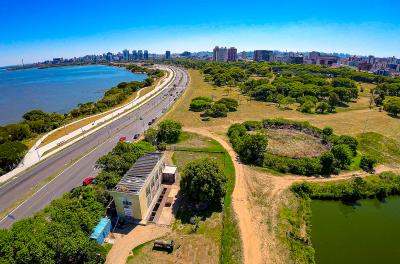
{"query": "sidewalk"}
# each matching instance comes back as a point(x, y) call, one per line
point(37, 154)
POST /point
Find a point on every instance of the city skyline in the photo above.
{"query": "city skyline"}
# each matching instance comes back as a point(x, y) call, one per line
point(85, 29)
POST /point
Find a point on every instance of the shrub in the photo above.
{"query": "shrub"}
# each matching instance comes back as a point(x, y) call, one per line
point(203, 181)
point(368, 163)
point(199, 105)
point(11, 153)
point(217, 110)
point(349, 141)
point(230, 103)
point(322, 107)
point(392, 105)
point(307, 107)
point(327, 131)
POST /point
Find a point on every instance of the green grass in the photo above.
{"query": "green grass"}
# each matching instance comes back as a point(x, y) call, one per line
point(385, 150)
point(190, 148)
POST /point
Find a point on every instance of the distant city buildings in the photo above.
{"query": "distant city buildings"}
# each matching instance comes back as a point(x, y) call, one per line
point(223, 54)
point(263, 55)
point(389, 66)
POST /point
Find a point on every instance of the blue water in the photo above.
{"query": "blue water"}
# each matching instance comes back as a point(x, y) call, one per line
point(56, 89)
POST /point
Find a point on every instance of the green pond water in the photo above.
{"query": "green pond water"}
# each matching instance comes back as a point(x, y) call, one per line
point(366, 233)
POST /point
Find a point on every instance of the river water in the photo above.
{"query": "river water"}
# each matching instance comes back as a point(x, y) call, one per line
point(366, 233)
point(56, 89)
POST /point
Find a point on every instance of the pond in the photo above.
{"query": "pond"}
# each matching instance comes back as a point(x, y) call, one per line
point(368, 232)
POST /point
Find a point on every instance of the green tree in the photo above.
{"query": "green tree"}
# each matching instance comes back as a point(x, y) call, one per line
point(18, 131)
point(392, 105)
point(11, 153)
point(327, 131)
point(199, 105)
point(203, 181)
point(217, 110)
point(307, 107)
point(253, 148)
point(169, 131)
point(343, 155)
point(327, 161)
point(322, 107)
point(333, 101)
point(230, 103)
point(368, 163)
point(151, 135)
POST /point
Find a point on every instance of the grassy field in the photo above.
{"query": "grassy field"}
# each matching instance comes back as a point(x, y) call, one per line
point(217, 239)
point(354, 120)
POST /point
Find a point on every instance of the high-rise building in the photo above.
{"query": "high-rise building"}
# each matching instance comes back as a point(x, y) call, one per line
point(168, 54)
point(140, 55)
point(134, 55)
point(220, 54)
point(232, 54)
point(146, 55)
point(125, 54)
point(263, 55)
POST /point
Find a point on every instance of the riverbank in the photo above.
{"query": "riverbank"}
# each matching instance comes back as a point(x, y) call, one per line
point(39, 122)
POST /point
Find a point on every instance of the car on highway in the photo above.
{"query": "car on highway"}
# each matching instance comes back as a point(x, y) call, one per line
point(122, 139)
point(87, 181)
point(136, 136)
point(150, 123)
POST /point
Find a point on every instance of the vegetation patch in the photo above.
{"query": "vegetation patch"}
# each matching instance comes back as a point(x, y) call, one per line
point(383, 149)
point(210, 108)
point(251, 143)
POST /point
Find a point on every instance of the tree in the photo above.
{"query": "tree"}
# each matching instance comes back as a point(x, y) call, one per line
point(344, 82)
point(151, 135)
point(322, 107)
point(217, 110)
point(169, 131)
point(199, 105)
point(203, 181)
point(349, 141)
point(284, 102)
point(18, 131)
point(327, 161)
point(333, 101)
point(307, 107)
point(11, 153)
point(368, 163)
point(35, 115)
point(230, 103)
point(392, 105)
point(327, 131)
point(343, 155)
point(253, 148)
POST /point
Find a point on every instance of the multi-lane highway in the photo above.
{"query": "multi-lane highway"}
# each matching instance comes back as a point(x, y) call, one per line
point(76, 162)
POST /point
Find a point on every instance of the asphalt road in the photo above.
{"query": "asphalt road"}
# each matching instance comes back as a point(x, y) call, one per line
point(84, 154)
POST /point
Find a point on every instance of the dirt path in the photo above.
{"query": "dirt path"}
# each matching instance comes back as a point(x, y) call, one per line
point(260, 244)
point(140, 234)
point(248, 228)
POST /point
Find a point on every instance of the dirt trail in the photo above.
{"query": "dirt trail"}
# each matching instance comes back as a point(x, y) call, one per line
point(261, 246)
point(248, 228)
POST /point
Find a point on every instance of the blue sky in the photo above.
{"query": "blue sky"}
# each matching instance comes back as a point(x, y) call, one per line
point(38, 29)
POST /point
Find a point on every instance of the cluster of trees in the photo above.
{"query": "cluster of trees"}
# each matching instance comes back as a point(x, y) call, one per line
point(380, 186)
point(250, 142)
point(387, 94)
point(156, 73)
point(60, 232)
point(168, 132)
point(219, 108)
point(12, 148)
point(203, 181)
point(313, 93)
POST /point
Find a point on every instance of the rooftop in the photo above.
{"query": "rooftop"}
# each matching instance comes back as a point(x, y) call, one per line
point(135, 177)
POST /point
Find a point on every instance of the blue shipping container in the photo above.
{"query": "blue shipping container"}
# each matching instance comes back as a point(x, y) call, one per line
point(101, 231)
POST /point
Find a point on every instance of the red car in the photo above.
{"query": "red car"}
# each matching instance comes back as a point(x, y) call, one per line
point(121, 139)
point(87, 180)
